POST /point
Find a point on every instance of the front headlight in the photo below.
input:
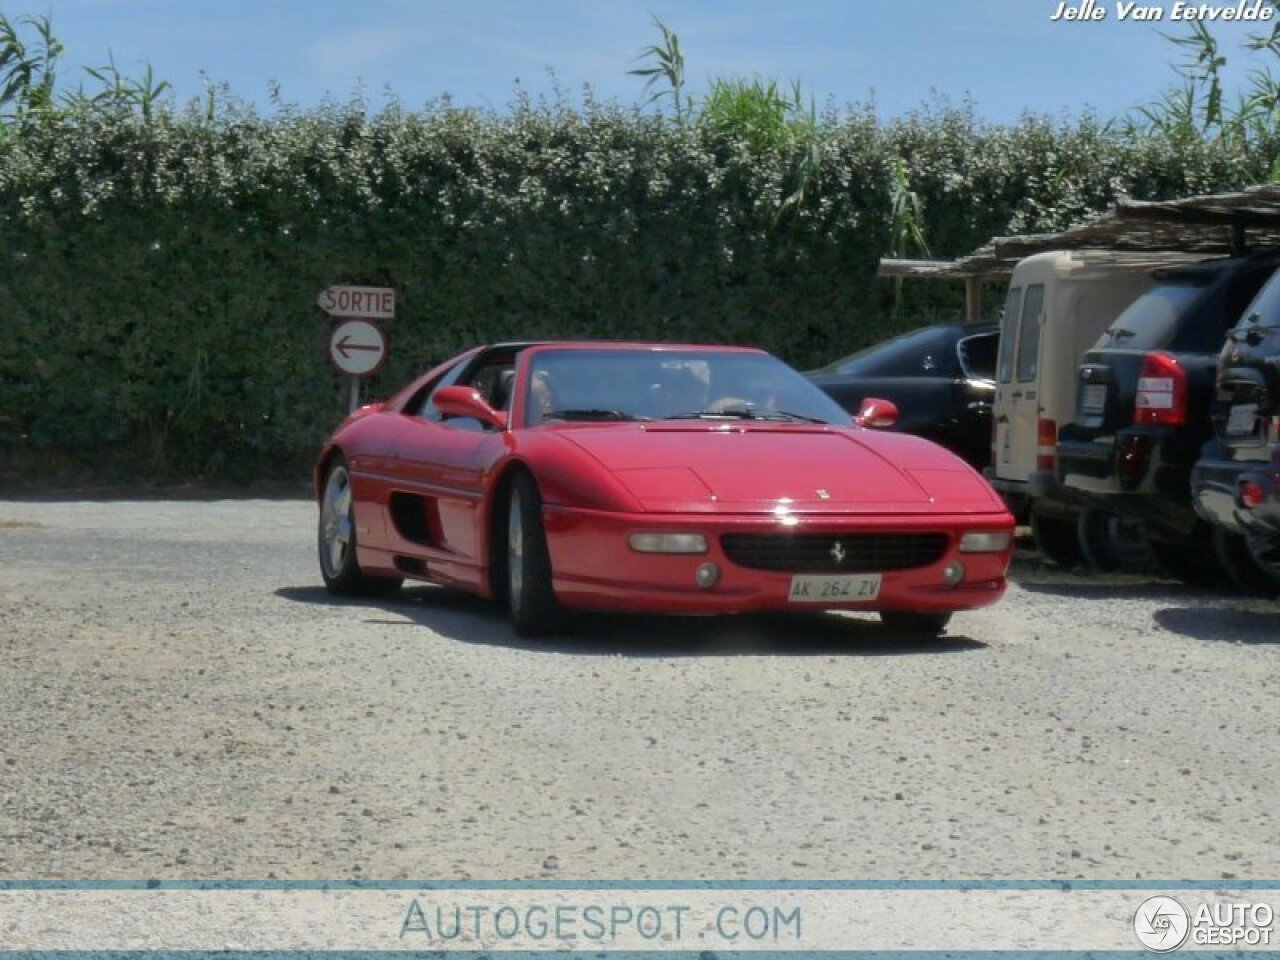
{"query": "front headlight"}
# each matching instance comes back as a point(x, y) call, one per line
point(668, 542)
point(986, 541)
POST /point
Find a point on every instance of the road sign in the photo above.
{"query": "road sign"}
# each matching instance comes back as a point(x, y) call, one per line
point(358, 347)
point(375, 303)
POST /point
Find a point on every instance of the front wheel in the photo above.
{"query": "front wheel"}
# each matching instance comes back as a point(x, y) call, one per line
point(915, 624)
point(336, 540)
point(529, 594)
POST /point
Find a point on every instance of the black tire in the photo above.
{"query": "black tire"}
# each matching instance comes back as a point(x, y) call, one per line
point(1245, 563)
point(1266, 553)
point(1057, 539)
point(915, 624)
point(530, 598)
point(1191, 559)
point(1108, 543)
point(336, 540)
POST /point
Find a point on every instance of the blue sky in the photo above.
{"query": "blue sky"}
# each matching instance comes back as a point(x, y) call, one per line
point(1006, 55)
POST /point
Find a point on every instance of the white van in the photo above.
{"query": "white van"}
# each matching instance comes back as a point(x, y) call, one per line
point(1058, 304)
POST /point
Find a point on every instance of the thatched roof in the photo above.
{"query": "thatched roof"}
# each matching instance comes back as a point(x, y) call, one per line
point(1214, 224)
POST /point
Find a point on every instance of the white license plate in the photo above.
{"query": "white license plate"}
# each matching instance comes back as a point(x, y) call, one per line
point(1095, 398)
point(1242, 418)
point(837, 588)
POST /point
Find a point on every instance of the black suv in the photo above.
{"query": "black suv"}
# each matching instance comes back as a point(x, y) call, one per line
point(942, 379)
point(1143, 403)
point(1236, 484)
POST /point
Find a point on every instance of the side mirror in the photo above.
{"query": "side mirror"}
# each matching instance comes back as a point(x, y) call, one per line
point(876, 413)
point(467, 402)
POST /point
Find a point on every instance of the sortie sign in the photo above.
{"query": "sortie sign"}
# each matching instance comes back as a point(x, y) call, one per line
point(374, 303)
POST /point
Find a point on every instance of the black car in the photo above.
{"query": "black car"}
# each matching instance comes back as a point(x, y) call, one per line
point(1143, 403)
point(1236, 484)
point(942, 379)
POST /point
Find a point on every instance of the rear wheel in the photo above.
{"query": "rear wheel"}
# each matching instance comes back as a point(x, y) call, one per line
point(529, 594)
point(1250, 561)
point(336, 540)
point(1191, 559)
point(1056, 538)
point(915, 624)
point(1109, 543)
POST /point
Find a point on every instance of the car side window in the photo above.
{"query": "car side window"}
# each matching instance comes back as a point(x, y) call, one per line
point(977, 355)
point(1029, 333)
point(420, 401)
point(421, 404)
point(1009, 334)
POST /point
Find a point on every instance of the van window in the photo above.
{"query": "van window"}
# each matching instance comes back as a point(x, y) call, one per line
point(1029, 338)
point(1009, 334)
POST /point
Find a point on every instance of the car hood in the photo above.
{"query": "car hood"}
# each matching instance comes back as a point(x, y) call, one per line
point(780, 468)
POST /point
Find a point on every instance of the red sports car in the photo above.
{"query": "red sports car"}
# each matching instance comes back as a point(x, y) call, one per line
point(656, 477)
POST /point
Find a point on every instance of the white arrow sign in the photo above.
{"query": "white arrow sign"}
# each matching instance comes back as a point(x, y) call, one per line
point(358, 348)
point(378, 303)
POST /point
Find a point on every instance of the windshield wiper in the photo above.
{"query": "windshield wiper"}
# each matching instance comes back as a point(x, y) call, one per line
point(591, 414)
point(746, 413)
point(1115, 333)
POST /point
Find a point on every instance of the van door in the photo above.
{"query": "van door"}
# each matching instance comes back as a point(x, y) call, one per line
point(1017, 397)
point(1001, 421)
point(1024, 417)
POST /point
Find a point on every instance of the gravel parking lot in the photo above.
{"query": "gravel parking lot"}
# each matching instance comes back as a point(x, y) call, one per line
point(179, 698)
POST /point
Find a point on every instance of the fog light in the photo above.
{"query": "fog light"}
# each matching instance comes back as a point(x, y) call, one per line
point(985, 541)
point(1251, 494)
point(953, 573)
point(668, 542)
point(707, 575)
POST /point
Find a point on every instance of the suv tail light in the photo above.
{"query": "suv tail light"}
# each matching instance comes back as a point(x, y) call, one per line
point(1162, 392)
point(1047, 445)
point(1252, 495)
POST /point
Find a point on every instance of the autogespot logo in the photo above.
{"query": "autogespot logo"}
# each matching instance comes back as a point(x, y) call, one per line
point(1161, 924)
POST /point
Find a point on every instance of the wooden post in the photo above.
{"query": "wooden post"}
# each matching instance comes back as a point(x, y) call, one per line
point(972, 300)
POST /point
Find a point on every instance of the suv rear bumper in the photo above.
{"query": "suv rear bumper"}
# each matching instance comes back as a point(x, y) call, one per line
point(1215, 488)
point(1132, 476)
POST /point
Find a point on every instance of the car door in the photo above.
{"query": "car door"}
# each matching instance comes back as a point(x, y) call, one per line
point(439, 467)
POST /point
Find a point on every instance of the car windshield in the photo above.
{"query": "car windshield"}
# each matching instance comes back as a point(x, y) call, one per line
point(1264, 311)
point(648, 384)
point(913, 354)
point(1150, 322)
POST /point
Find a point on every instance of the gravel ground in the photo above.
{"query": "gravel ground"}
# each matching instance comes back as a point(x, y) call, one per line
point(179, 698)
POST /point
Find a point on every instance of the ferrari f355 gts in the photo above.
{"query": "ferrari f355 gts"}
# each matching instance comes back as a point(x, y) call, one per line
point(653, 477)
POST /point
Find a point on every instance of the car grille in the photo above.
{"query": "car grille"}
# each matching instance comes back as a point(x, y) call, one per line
point(818, 552)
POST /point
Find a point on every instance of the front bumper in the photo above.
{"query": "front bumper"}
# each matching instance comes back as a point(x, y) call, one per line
point(595, 569)
point(1215, 489)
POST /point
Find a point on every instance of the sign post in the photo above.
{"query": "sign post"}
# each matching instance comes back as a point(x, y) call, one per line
point(357, 344)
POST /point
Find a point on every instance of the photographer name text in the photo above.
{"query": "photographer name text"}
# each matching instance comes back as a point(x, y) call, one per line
point(1093, 11)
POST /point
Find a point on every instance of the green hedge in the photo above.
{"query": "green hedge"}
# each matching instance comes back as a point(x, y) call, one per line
point(158, 279)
